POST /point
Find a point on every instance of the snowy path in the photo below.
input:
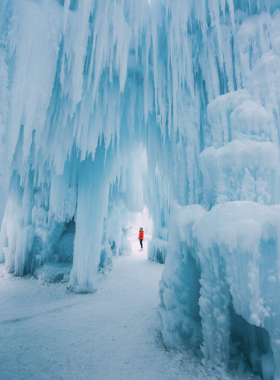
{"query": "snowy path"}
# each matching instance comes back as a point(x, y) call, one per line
point(47, 332)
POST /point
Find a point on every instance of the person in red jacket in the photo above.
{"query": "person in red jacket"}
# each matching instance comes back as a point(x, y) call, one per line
point(141, 238)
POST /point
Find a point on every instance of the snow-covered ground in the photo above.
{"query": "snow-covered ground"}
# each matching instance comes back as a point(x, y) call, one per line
point(48, 332)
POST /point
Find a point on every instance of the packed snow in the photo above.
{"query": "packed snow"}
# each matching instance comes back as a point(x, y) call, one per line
point(48, 332)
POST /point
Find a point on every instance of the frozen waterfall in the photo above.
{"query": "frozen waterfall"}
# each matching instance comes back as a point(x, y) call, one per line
point(110, 105)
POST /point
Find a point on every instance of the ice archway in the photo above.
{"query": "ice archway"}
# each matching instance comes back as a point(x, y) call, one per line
point(85, 87)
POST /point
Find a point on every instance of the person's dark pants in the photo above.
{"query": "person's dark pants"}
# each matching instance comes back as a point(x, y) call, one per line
point(141, 243)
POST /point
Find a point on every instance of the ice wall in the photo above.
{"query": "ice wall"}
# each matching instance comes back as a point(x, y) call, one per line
point(89, 87)
point(224, 260)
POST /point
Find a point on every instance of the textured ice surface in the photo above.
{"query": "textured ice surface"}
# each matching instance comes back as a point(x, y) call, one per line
point(108, 106)
point(228, 256)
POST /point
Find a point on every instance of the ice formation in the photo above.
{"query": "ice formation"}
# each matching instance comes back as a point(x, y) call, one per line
point(107, 106)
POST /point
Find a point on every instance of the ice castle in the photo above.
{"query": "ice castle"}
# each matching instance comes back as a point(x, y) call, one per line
point(110, 105)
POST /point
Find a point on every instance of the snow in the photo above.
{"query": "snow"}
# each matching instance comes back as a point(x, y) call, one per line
point(48, 332)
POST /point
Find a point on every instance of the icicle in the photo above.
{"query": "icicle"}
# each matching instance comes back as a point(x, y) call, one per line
point(231, 9)
point(65, 14)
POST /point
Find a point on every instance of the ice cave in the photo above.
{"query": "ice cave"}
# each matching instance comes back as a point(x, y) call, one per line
point(112, 107)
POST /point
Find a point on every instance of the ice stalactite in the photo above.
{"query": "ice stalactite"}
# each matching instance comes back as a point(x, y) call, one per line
point(85, 89)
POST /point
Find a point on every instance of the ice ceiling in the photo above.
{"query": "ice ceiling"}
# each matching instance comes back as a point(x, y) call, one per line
point(106, 106)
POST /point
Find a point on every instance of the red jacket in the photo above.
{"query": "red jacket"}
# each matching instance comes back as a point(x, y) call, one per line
point(141, 235)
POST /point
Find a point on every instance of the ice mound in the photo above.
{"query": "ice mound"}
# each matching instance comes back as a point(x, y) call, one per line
point(227, 262)
point(157, 250)
point(53, 272)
